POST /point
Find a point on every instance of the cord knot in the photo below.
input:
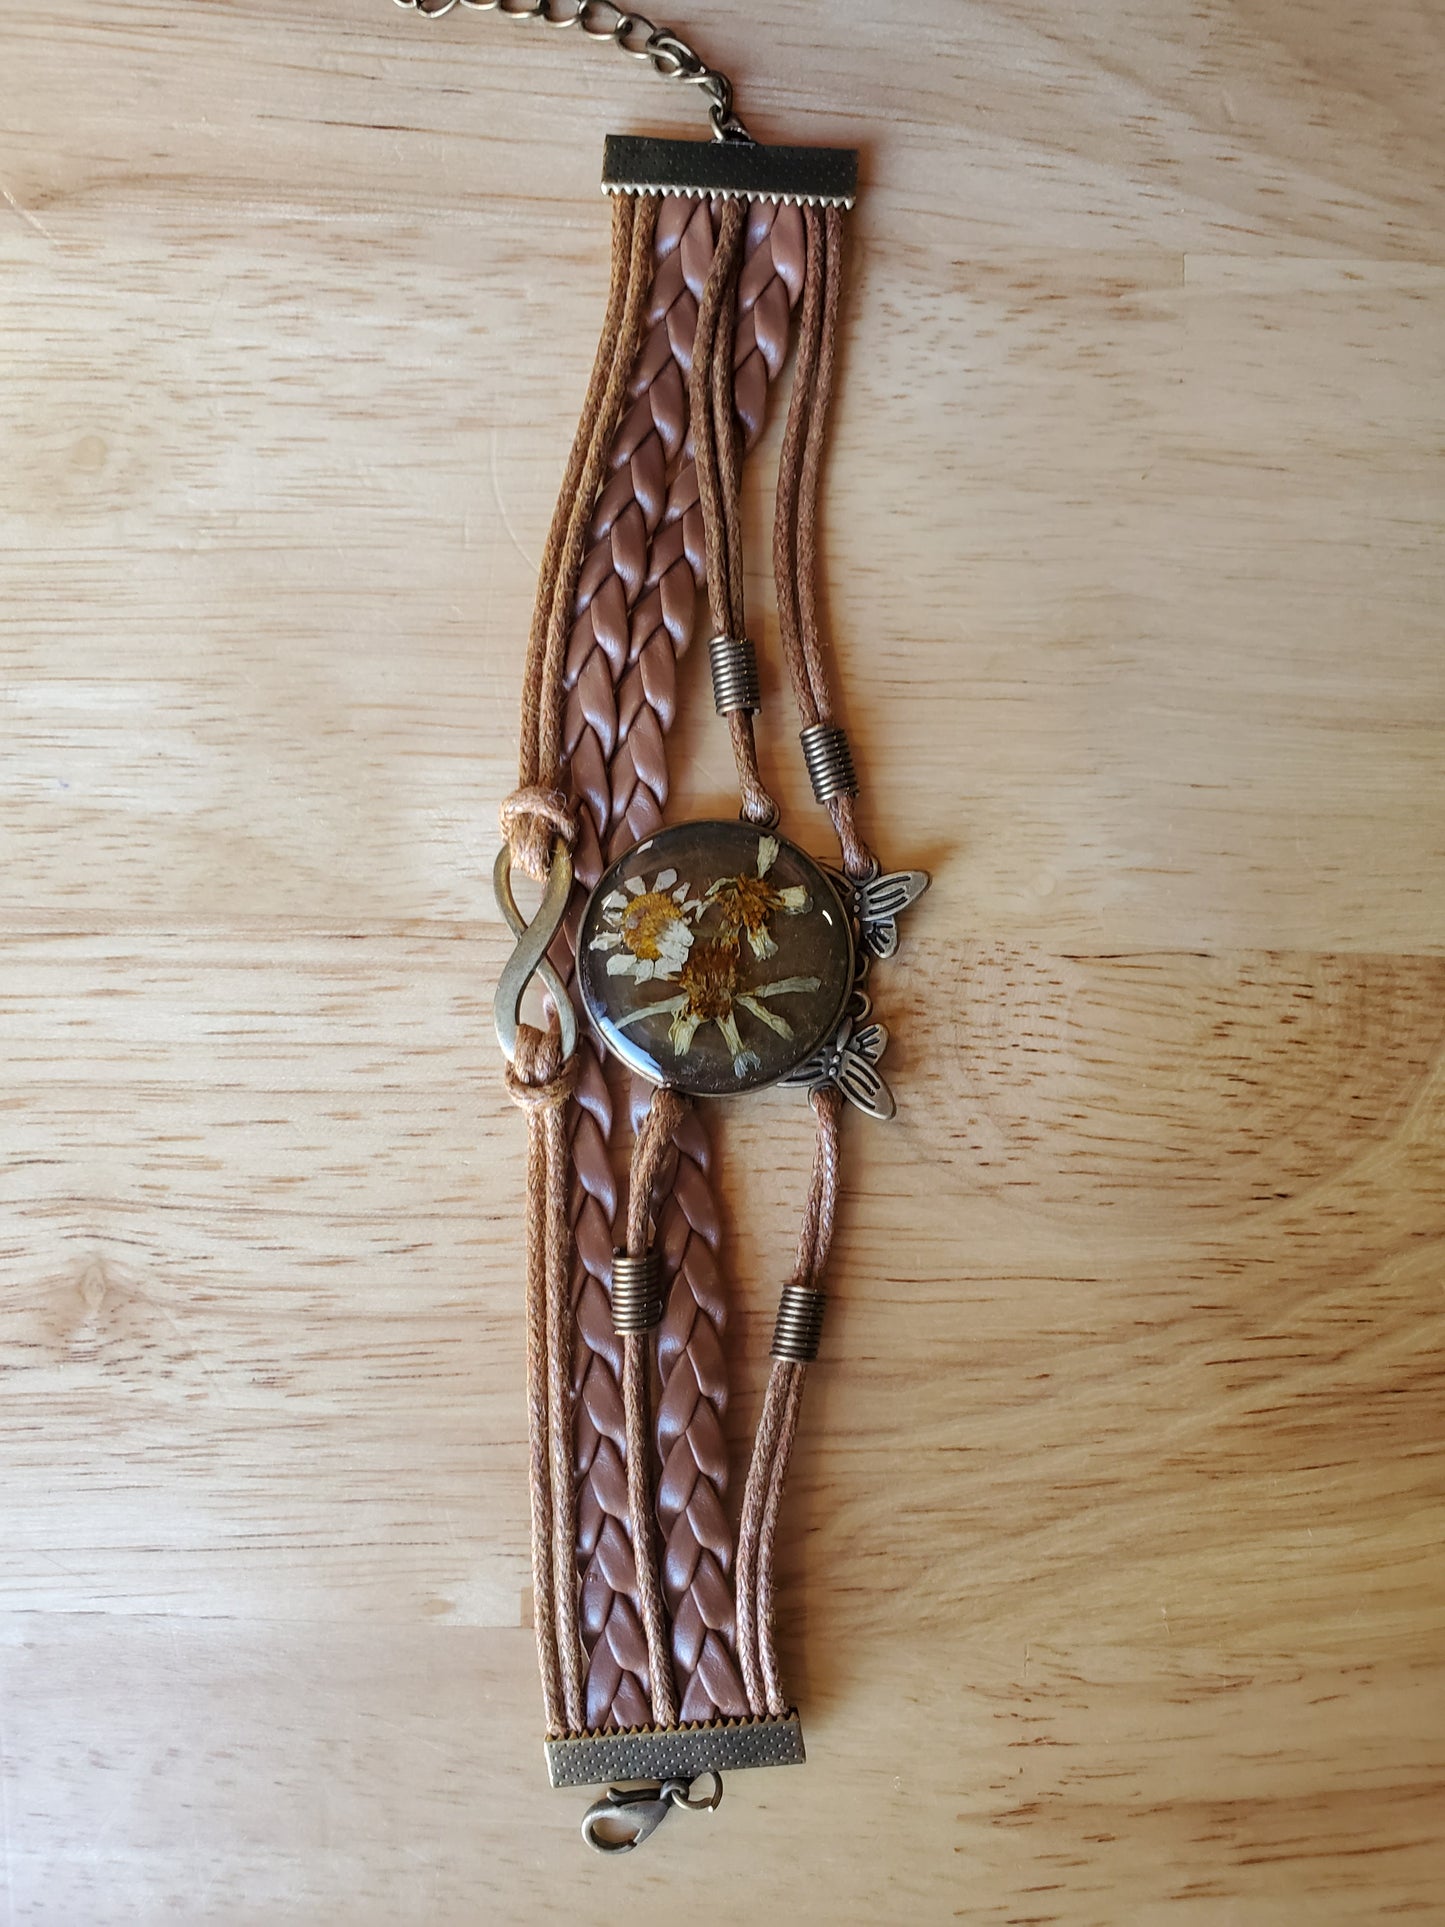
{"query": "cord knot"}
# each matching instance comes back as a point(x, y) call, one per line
point(538, 1078)
point(533, 817)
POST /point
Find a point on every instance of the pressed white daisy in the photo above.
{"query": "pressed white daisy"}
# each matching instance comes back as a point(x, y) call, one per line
point(648, 927)
point(709, 994)
point(749, 904)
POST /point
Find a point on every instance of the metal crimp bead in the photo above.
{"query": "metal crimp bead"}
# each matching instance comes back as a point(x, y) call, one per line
point(735, 684)
point(800, 1324)
point(636, 1293)
point(830, 761)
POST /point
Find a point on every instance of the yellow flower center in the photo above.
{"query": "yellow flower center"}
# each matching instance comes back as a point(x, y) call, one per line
point(709, 978)
point(748, 902)
point(644, 923)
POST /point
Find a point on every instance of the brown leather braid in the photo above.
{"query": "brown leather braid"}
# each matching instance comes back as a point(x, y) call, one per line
point(530, 836)
point(617, 567)
point(650, 1151)
point(536, 1077)
point(698, 1543)
point(634, 624)
point(775, 255)
point(617, 1686)
point(613, 573)
point(697, 1536)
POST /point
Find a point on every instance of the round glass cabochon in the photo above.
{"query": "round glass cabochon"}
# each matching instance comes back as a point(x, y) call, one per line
point(714, 957)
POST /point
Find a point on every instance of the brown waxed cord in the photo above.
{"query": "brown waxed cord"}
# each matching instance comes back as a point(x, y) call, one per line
point(814, 1243)
point(540, 1084)
point(795, 524)
point(791, 1379)
point(559, 1391)
point(777, 1428)
point(717, 451)
point(790, 462)
point(755, 1494)
point(650, 1153)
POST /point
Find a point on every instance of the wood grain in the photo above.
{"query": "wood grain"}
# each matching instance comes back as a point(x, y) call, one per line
point(1113, 1571)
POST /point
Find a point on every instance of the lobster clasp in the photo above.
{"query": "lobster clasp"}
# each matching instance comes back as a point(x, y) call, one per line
point(626, 1816)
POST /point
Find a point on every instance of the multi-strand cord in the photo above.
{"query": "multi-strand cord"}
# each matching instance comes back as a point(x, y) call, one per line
point(608, 1656)
point(634, 618)
point(736, 686)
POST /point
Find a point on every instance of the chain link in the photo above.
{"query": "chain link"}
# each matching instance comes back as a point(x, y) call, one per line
point(632, 33)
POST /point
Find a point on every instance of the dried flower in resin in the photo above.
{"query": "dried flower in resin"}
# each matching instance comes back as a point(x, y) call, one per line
point(749, 903)
point(709, 993)
point(714, 958)
point(647, 928)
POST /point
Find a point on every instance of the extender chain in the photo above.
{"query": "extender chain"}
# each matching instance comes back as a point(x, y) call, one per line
point(667, 53)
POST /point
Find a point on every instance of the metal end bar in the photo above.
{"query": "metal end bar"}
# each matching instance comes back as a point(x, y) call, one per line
point(735, 683)
point(733, 170)
point(829, 761)
point(675, 1752)
point(799, 1329)
point(636, 1293)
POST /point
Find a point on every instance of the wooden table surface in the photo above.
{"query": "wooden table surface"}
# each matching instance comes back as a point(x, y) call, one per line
point(1113, 1582)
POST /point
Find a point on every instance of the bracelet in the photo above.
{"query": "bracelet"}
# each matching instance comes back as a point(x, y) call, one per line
point(677, 962)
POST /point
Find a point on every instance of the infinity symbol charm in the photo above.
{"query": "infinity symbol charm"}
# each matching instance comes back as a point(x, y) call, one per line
point(529, 959)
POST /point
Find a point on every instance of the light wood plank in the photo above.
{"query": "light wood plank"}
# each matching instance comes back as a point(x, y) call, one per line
point(1112, 1577)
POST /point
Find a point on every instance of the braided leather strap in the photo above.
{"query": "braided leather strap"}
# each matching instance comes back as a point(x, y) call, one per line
point(650, 438)
point(697, 1536)
point(635, 613)
point(616, 1687)
point(663, 621)
point(616, 567)
point(698, 1540)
